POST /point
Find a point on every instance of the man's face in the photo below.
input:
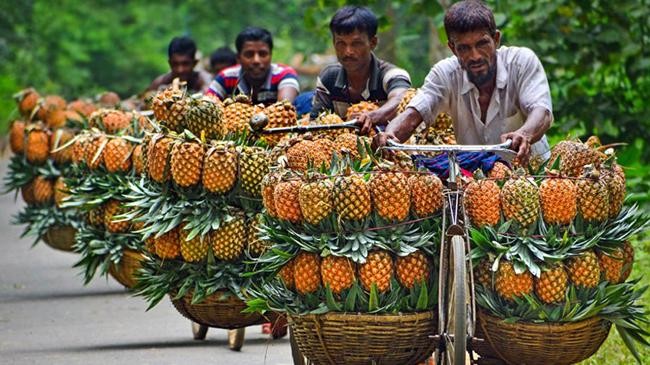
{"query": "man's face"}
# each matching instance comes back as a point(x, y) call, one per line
point(182, 66)
point(353, 50)
point(255, 60)
point(476, 52)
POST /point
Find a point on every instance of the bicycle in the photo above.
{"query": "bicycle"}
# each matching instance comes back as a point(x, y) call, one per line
point(456, 302)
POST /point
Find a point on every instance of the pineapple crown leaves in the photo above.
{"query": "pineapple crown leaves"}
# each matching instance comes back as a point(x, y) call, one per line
point(630, 222)
point(38, 219)
point(20, 173)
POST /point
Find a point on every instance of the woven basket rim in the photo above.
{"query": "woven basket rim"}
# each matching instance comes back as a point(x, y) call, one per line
point(537, 326)
point(366, 317)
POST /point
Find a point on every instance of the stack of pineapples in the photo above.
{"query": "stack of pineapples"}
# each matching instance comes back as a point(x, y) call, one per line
point(39, 164)
point(555, 246)
point(440, 131)
point(106, 157)
point(200, 195)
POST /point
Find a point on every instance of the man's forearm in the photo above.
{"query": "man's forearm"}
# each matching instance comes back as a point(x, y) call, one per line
point(404, 124)
point(388, 111)
point(537, 123)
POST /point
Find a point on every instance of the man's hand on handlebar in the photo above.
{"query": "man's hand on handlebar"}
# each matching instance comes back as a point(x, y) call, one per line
point(381, 140)
point(520, 143)
point(367, 121)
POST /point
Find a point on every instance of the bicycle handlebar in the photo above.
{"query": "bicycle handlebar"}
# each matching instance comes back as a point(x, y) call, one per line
point(502, 147)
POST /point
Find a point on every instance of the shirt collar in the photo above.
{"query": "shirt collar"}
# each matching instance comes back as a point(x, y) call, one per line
point(342, 78)
point(243, 86)
point(502, 76)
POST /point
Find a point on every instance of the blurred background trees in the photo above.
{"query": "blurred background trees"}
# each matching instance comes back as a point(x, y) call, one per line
point(596, 52)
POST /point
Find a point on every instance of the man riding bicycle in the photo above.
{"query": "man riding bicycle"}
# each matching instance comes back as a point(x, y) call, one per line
point(492, 93)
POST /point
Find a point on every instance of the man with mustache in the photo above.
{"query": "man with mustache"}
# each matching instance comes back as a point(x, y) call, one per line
point(359, 75)
point(182, 60)
point(492, 93)
point(255, 75)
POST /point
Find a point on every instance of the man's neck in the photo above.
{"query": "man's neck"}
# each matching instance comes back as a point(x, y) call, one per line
point(253, 84)
point(488, 87)
point(358, 79)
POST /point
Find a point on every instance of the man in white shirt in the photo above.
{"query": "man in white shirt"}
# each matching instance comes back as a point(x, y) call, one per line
point(492, 93)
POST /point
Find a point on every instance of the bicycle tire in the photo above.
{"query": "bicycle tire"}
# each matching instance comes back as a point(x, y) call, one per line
point(459, 299)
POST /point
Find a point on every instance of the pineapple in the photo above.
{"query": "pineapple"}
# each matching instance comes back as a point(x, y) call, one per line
point(483, 273)
point(483, 202)
point(111, 209)
point(48, 104)
point(628, 260)
point(406, 99)
point(253, 166)
point(611, 265)
point(500, 171)
point(316, 199)
point(108, 99)
point(426, 193)
point(616, 189)
point(58, 139)
point(193, 250)
point(137, 158)
point(552, 284)
point(520, 200)
point(27, 192)
point(299, 156)
point(349, 143)
point(593, 196)
point(187, 162)
point(43, 190)
point(584, 270)
point(322, 153)
point(94, 151)
point(219, 169)
point(229, 240)
point(204, 116)
point(82, 107)
point(17, 137)
point(337, 273)
point(37, 146)
point(286, 199)
point(558, 198)
point(256, 245)
point(412, 269)
point(60, 191)
point(509, 284)
point(96, 217)
point(361, 107)
point(115, 121)
point(306, 272)
point(170, 107)
point(573, 156)
point(280, 114)
point(330, 119)
point(168, 245)
point(56, 118)
point(27, 100)
point(378, 269)
point(79, 148)
point(268, 184)
point(158, 152)
point(237, 112)
point(351, 198)
point(117, 155)
point(390, 193)
point(286, 274)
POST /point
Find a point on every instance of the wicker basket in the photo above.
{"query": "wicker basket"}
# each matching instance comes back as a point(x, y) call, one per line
point(125, 270)
point(351, 339)
point(544, 343)
point(60, 238)
point(220, 310)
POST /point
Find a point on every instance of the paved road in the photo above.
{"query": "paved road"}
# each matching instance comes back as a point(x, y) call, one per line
point(48, 317)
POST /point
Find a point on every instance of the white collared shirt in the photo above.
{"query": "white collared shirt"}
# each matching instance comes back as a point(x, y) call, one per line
point(521, 86)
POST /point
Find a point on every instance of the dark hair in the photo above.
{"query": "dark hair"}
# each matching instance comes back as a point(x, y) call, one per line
point(468, 16)
point(351, 18)
point(182, 45)
point(223, 55)
point(252, 34)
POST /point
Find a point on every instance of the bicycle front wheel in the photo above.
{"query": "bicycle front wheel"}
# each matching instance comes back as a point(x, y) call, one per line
point(456, 331)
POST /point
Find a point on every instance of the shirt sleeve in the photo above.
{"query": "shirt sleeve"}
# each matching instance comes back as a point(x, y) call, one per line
point(218, 87)
point(396, 78)
point(289, 79)
point(433, 93)
point(533, 86)
point(321, 101)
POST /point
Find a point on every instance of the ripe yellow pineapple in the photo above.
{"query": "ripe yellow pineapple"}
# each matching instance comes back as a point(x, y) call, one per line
point(611, 264)
point(299, 155)
point(520, 200)
point(628, 260)
point(286, 274)
point(253, 165)
point(237, 112)
point(426, 193)
point(58, 139)
point(94, 151)
point(337, 273)
point(268, 184)
point(349, 143)
point(256, 245)
point(616, 189)
point(584, 269)
point(306, 272)
point(48, 104)
point(37, 145)
point(558, 198)
point(117, 155)
point(483, 202)
point(187, 162)
point(82, 107)
point(111, 209)
point(168, 245)
point(43, 190)
point(138, 159)
point(109, 120)
point(96, 217)
point(280, 114)
point(509, 284)
point(17, 137)
point(229, 240)
point(500, 171)
point(378, 269)
point(79, 148)
point(27, 193)
point(158, 152)
point(286, 199)
point(406, 99)
point(593, 196)
point(219, 169)
point(204, 116)
point(483, 273)
point(390, 194)
point(170, 107)
point(351, 198)
point(330, 119)
point(27, 100)
point(60, 191)
point(573, 156)
point(316, 199)
point(322, 153)
point(193, 250)
point(552, 284)
point(412, 269)
point(360, 107)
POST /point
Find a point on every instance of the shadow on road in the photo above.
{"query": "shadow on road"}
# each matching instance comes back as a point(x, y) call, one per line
point(28, 297)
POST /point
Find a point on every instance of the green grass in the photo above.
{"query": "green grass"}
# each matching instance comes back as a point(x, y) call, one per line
point(613, 351)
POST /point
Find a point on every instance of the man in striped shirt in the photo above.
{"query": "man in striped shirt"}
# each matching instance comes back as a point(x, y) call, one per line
point(359, 75)
point(255, 75)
